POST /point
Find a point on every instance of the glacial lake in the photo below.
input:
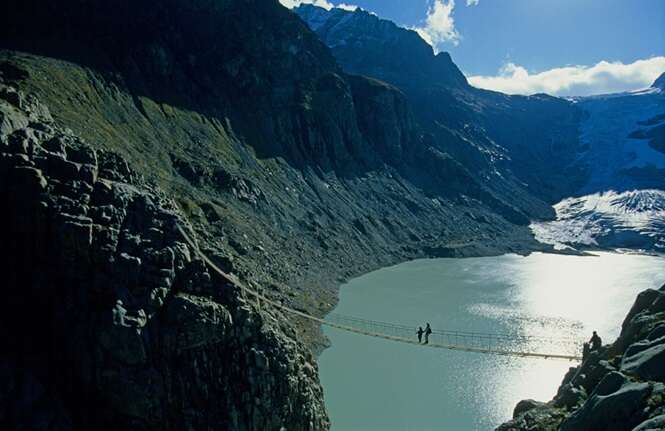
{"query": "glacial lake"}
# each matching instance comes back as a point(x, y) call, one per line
point(374, 384)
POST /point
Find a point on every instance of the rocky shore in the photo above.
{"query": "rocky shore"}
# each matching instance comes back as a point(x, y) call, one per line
point(620, 387)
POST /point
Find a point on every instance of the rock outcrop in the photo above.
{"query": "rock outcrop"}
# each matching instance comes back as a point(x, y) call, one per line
point(110, 320)
point(621, 387)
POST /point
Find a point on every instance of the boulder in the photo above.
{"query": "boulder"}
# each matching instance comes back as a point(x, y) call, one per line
point(21, 141)
point(657, 332)
point(642, 345)
point(82, 154)
point(196, 322)
point(638, 328)
point(570, 396)
point(592, 371)
point(611, 383)
point(658, 304)
point(11, 120)
point(653, 424)
point(616, 411)
point(12, 96)
point(648, 364)
point(62, 168)
point(28, 180)
point(642, 302)
point(525, 406)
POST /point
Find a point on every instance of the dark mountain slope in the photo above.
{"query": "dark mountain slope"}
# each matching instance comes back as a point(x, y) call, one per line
point(389, 52)
point(231, 116)
point(530, 141)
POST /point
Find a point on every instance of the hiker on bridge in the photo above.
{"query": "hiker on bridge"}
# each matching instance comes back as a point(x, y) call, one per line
point(428, 330)
point(595, 341)
point(420, 333)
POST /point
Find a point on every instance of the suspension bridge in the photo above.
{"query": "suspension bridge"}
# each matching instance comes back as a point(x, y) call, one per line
point(477, 342)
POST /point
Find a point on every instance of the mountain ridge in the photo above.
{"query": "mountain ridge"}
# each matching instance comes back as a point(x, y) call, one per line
point(343, 30)
point(550, 148)
point(292, 175)
point(492, 131)
point(231, 119)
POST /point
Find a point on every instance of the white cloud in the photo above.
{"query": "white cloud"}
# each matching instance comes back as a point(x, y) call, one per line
point(320, 3)
point(472, 2)
point(601, 78)
point(439, 24)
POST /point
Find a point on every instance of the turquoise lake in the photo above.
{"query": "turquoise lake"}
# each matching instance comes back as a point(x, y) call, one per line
point(373, 384)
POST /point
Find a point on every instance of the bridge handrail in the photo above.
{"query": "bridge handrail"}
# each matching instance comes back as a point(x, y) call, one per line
point(279, 306)
point(450, 331)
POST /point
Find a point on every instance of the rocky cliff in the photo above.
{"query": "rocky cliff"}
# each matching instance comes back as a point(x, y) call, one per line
point(120, 121)
point(539, 150)
point(365, 44)
point(110, 320)
point(619, 387)
point(517, 146)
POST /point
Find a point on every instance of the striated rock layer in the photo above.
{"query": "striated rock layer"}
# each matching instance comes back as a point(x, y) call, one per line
point(621, 387)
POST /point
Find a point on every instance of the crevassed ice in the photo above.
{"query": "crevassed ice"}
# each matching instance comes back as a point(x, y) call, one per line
point(609, 219)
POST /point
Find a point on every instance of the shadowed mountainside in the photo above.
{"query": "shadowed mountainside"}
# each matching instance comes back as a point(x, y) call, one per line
point(519, 145)
point(118, 120)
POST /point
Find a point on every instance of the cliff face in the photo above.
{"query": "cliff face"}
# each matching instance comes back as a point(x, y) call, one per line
point(532, 151)
point(390, 53)
point(619, 387)
point(231, 117)
point(520, 148)
point(111, 320)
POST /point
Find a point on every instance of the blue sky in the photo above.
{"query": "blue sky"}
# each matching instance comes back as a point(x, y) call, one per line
point(526, 38)
point(541, 34)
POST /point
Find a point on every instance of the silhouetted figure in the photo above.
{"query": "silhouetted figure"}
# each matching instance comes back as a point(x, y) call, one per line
point(595, 341)
point(420, 334)
point(428, 331)
point(585, 351)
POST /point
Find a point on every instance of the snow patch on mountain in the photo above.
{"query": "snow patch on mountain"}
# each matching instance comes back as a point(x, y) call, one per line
point(622, 204)
point(616, 160)
point(631, 219)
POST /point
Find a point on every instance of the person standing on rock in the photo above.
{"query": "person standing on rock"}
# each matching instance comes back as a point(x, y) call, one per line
point(420, 334)
point(428, 330)
point(595, 341)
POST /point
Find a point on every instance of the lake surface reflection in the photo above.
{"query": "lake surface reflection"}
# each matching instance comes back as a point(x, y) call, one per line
point(373, 384)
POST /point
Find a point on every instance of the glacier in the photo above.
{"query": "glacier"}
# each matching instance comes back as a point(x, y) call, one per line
point(622, 203)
